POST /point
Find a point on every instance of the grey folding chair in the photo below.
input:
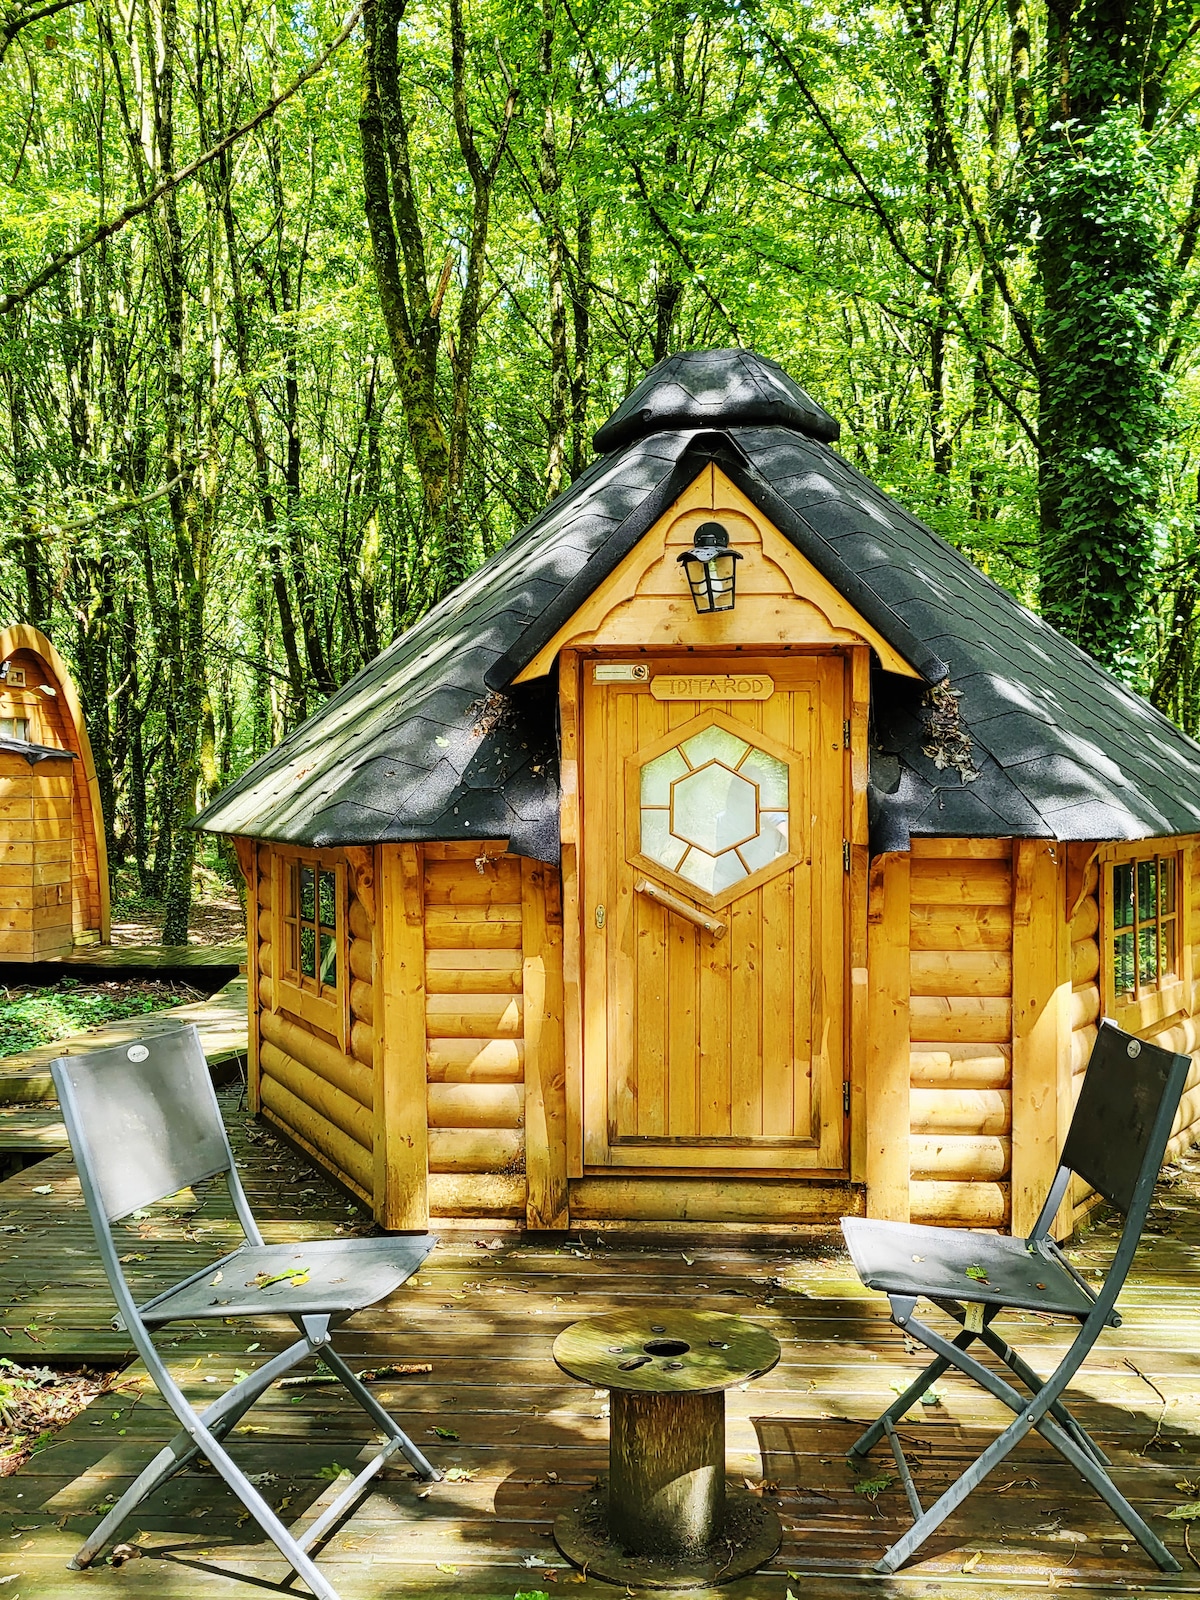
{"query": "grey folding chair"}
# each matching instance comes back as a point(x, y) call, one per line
point(144, 1122)
point(1116, 1142)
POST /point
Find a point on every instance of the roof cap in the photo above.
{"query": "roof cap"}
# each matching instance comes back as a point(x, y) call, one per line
point(715, 388)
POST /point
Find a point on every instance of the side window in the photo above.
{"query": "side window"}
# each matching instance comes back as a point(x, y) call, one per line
point(310, 926)
point(1144, 896)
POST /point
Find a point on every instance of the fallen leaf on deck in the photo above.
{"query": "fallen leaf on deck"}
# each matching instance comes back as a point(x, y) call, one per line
point(444, 1566)
point(459, 1474)
point(44, 1188)
point(979, 1274)
point(296, 1276)
point(444, 1433)
point(1187, 1513)
point(873, 1487)
point(972, 1562)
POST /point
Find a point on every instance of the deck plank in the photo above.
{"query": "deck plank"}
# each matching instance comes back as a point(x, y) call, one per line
point(533, 1442)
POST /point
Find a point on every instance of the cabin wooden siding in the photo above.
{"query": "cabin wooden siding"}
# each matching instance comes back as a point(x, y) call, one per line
point(474, 1029)
point(960, 1030)
point(315, 1084)
point(35, 858)
point(51, 824)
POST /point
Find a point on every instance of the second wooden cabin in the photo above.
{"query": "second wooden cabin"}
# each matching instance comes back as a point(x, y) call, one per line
point(727, 848)
point(53, 863)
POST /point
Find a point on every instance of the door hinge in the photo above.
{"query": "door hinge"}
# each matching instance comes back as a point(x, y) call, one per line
point(845, 855)
point(846, 734)
point(846, 1098)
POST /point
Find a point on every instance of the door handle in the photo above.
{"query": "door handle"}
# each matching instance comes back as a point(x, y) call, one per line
point(681, 908)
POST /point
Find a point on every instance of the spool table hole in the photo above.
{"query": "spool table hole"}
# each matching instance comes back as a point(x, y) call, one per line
point(666, 1347)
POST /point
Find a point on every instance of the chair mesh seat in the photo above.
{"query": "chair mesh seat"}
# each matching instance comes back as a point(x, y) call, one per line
point(904, 1258)
point(343, 1275)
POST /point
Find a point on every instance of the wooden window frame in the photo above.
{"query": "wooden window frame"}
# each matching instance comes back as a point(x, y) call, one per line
point(1169, 994)
point(322, 1005)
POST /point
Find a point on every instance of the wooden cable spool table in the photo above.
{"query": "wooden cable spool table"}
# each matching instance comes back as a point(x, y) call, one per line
point(666, 1517)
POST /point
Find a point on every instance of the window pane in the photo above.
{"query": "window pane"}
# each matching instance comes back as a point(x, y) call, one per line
point(771, 841)
point(714, 743)
point(1123, 963)
point(1122, 881)
point(770, 775)
point(1147, 890)
point(1166, 886)
point(1167, 949)
point(308, 894)
point(329, 959)
point(16, 728)
point(658, 776)
point(1147, 956)
point(308, 952)
point(657, 840)
point(712, 873)
point(327, 889)
point(714, 808)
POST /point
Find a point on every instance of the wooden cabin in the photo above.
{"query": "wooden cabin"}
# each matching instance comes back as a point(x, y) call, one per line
point(603, 897)
point(53, 859)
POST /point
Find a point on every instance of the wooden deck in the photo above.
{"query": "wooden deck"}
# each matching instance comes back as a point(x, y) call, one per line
point(205, 966)
point(221, 1019)
point(526, 1442)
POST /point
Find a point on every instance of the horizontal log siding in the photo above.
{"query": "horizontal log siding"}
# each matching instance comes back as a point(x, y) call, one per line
point(960, 1010)
point(318, 1093)
point(475, 1048)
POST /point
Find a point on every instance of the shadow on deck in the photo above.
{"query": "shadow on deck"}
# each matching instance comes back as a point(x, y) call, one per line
point(525, 1443)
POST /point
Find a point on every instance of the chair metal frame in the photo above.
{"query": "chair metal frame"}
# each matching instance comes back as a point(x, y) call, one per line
point(203, 1432)
point(1044, 1410)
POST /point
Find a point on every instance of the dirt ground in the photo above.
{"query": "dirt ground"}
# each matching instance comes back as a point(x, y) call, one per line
point(217, 916)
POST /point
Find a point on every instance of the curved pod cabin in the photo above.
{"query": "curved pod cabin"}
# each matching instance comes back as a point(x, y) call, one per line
point(53, 861)
point(594, 901)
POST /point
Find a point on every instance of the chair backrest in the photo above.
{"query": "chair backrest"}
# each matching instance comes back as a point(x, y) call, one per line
point(1122, 1122)
point(143, 1120)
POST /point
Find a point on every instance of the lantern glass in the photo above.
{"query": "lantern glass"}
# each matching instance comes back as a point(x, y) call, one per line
point(711, 569)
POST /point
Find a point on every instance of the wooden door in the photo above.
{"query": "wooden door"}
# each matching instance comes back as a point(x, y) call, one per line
point(712, 910)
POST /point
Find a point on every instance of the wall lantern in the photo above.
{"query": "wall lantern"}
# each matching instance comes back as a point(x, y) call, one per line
point(711, 569)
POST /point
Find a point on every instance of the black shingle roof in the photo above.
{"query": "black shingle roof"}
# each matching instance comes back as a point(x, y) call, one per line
point(430, 742)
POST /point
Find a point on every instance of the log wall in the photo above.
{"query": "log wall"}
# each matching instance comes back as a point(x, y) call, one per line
point(317, 1086)
point(35, 858)
point(960, 1030)
point(475, 1029)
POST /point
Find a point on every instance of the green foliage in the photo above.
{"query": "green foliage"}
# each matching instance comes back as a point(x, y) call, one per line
point(42, 1016)
point(1105, 422)
point(208, 483)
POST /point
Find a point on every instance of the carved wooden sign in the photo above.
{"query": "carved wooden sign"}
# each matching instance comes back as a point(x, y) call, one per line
point(712, 686)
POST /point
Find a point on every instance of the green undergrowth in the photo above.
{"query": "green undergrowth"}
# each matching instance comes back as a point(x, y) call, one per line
point(30, 1017)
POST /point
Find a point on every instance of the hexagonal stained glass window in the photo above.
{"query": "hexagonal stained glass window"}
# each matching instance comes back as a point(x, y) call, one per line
point(714, 809)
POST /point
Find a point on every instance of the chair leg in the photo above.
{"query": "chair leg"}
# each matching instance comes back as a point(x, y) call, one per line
point(1028, 1416)
point(258, 1508)
point(172, 1458)
point(220, 1418)
point(929, 1376)
point(425, 1469)
point(1033, 1383)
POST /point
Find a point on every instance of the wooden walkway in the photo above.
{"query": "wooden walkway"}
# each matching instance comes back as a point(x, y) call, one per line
point(204, 966)
point(523, 1442)
point(222, 1020)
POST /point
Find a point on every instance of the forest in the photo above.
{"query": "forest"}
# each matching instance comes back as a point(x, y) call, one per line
point(307, 312)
